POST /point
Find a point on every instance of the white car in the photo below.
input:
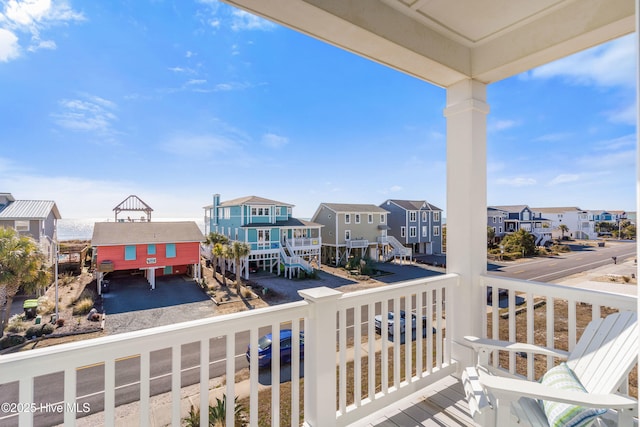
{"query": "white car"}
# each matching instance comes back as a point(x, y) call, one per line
point(391, 321)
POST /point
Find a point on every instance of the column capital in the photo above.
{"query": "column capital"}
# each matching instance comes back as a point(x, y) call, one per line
point(466, 95)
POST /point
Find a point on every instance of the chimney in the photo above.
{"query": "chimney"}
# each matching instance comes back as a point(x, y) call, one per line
point(214, 214)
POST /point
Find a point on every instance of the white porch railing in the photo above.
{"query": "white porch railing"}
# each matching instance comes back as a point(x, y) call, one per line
point(357, 243)
point(516, 304)
point(373, 370)
point(305, 242)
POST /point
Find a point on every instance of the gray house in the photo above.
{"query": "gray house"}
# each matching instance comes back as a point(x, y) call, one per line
point(34, 218)
point(351, 230)
point(509, 219)
point(417, 224)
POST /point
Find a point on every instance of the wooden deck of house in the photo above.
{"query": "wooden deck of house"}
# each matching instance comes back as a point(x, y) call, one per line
point(442, 404)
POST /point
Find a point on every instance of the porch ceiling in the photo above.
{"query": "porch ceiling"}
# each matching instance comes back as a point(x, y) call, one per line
point(445, 41)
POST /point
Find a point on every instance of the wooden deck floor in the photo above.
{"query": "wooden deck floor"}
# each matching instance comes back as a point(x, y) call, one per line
point(442, 404)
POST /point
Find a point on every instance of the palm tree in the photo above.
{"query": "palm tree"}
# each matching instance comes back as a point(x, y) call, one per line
point(239, 250)
point(222, 252)
point(212, 240)
point(563, 229)
point(22, 264)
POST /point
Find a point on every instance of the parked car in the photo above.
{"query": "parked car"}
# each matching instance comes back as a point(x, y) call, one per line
point(391, 321)
point(264, 348)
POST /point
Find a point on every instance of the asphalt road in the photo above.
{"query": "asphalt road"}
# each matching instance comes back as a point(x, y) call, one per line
point(557, 267)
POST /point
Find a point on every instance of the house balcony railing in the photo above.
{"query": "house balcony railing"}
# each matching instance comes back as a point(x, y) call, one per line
point(357, 243)
point(373, 371)
point(383, 240)
point(305, 242)
point(259, 247)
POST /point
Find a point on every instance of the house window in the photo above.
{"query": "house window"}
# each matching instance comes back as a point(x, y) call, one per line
point(236, 234)
point(259, 211)
point(227, 213)
point(436, 216)
point(171, 250)
point(151, 249)
point(495, 219)
point(382, 218)
point(500, 220)
point(347, 234)
point(403, 231)
point(499, 229)
point(424, 231)
point(413, 216)
point(263, 236)
point(370, 218)
point(424, 217)
point(22, 225)
point(130, 253)
point(347, 219)
point(357, 218)
point(436, 230)
point(412, 232)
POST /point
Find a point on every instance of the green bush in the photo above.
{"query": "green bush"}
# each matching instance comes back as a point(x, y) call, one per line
point(83, 306)
point(47, 329)
point(11, 340)
point(33, 331)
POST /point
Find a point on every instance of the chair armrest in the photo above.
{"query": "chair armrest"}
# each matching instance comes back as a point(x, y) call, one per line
point(484, 343)
point(513, 389)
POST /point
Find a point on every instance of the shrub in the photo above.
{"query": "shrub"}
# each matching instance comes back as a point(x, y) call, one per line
point(16, 323)
point(46, 306)
point(11, 340)
point(626, 279)
point(66, 278)
point(246, 293)
point(60, 323)
point(47, 329)
point(33, 331)
point(83, 306)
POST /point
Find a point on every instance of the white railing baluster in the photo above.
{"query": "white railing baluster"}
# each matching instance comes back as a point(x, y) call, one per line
point(431, 314)
point(230, 369)
point(295, 372)
point(276, 363)
point(145, 387)
point(176, 365)
point(530, 335)
point(396, 342)
point(204, 381)
point(408, 336)
point(550, 329)
point(342, 366)
point(571, 314)
point(357, 362)
point(420, 311)
point(70, 384)
point(254, 377)
point(25, 396)
point(371, 357)
point(495, 319)
point(448, 303)
point(512, 328)
point(384, 328)
point(109, 391)
point(439, 317)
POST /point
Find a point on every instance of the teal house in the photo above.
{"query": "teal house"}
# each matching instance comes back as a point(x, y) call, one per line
point(279, 242)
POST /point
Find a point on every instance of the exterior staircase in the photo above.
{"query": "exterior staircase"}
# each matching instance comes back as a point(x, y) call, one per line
point(398, 250)
point(292, 262)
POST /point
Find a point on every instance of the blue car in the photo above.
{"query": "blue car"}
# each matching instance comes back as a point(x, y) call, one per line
point(264, 348)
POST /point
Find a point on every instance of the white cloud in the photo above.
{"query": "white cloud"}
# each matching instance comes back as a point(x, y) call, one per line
point(196, 82)
point(395, 188)
point(499, 125)
point(31, 17)
point(516, 182)
point(611, 64)
point(554, 137)
point(625, 115)
point(564, 178)
point(9, 47)
point(242, 20)
point(88, 114)
point(274, 141)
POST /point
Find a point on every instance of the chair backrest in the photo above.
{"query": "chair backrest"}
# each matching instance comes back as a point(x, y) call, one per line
point(606, 352)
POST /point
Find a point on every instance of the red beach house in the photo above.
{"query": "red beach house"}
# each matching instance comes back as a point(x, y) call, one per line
point(156, 248)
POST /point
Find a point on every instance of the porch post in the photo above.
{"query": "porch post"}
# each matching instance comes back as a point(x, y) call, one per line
point(466, 113)
point(320, 359)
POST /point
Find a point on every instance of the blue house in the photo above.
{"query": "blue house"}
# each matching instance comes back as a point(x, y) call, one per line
point(277, 240)
point(417, 224)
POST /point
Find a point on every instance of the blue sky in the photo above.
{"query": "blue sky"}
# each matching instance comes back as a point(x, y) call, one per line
point(175, 101)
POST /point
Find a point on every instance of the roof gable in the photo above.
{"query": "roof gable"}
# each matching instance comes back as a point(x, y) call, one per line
point(29, 209)
point(252, 200)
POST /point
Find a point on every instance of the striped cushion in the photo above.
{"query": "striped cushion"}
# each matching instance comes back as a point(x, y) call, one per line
point(564, 414)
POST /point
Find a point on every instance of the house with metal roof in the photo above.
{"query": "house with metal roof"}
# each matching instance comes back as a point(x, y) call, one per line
point(278, 241)
point(154, 248)
point(578, 221)
point(351, 230)
point(34, 218)
point(416, 224)
point(511, 218)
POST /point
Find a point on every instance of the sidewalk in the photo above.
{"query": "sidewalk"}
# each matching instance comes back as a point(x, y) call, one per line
point(607, 278)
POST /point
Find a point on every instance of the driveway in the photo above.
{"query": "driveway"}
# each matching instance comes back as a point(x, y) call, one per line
point(131, 305)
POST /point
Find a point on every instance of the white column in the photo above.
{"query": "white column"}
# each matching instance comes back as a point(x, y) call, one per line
point(320, 357)
point(466, 113)
point(152, 277)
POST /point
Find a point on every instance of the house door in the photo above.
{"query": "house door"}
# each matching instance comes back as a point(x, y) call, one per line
point(168, 269)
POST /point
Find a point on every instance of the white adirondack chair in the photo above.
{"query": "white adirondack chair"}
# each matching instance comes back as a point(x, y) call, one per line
point(601, 361)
